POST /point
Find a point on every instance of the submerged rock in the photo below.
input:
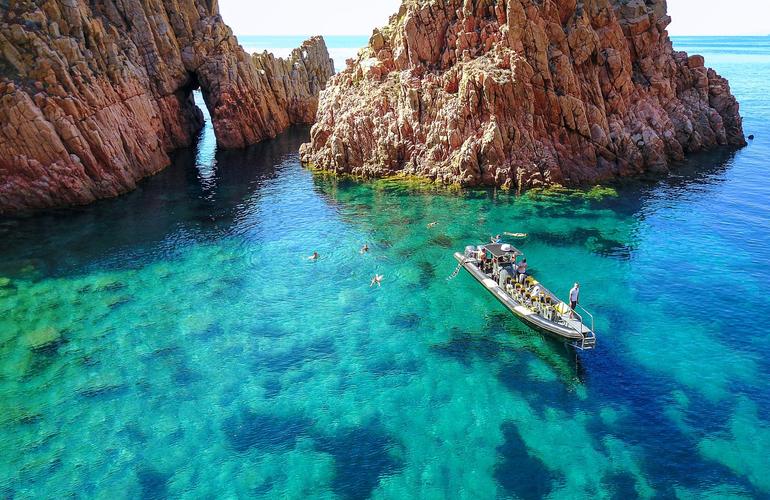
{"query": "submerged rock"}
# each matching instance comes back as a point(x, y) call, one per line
point(95, 95)
point(521, 93)
point(41, 338)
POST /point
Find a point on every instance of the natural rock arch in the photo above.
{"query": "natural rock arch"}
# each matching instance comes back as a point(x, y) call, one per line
point(95, 94)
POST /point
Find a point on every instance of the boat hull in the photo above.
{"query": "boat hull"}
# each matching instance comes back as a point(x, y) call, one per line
point(524, 314)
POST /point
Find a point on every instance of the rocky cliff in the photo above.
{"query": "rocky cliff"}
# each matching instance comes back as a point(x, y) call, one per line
point(95, 94)
point(521, 93)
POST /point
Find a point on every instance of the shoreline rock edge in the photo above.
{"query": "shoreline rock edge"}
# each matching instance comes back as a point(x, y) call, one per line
point(94, 95)
point(521, 94)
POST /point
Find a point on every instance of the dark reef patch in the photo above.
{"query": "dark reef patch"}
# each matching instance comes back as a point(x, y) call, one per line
point(405, 321)
point(518, 472)
point(622, 486)
point(210, 332)
point(270, 331)
point(248, 430)
point(427, 273)
point(465, 347)
point(104, 391)
point(362, 457)
point(112, 287)
point(592, 239)
point(407, 252)
point(118, 302)
point(272, 387)
point(442, 241)
point(540, 394)
point(153, 483)
point(281, 360)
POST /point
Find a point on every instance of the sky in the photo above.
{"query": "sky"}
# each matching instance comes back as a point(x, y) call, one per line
point(359, 17)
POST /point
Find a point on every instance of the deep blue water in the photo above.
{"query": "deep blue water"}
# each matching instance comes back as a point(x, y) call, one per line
point(176, 342)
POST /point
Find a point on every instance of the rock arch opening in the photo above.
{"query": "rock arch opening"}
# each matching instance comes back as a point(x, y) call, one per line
point(106, 112)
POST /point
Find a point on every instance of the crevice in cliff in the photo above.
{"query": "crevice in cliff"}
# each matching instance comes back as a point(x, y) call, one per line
point(189, 91)
point(98, 94)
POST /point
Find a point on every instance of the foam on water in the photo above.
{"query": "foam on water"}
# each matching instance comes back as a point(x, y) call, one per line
point(177, 342)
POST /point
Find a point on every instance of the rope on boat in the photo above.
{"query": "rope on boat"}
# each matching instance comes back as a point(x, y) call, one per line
point(456, 271)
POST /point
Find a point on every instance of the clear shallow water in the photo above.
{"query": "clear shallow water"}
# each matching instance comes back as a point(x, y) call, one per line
point(174, 342)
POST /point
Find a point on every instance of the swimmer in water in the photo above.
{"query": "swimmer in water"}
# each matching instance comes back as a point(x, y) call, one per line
point(376, 279)
point(314, 256)
point(364, 248)
point(432, 224)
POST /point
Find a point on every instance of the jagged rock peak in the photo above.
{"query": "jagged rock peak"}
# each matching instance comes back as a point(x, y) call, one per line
point(94, 95)
point(521, 93)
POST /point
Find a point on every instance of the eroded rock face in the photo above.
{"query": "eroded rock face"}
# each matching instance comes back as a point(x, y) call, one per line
point(521, 93)
point(95, 94)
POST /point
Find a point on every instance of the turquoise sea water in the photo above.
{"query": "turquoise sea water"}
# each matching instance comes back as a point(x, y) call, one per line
point(340, 48)
point(175, 342)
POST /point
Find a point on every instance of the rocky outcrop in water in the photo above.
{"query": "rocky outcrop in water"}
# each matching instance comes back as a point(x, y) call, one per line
point(95, 94)
point(521, 93)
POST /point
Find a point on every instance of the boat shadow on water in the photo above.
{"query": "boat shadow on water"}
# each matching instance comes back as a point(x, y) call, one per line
point(504, 342)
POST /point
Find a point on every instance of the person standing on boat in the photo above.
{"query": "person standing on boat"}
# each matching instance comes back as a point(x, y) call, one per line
point(522, 269)
point(574, 296)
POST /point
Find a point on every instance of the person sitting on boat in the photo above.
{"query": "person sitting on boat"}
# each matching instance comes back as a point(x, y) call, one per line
point(496, 239)
point(574, 295)
point(522, 270)
point(482, 259)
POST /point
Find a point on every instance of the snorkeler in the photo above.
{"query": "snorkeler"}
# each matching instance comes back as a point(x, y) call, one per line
point(364, 248)
point(376, 279)
point(313, 257)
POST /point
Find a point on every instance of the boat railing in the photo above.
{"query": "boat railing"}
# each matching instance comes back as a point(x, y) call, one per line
point(589, 337)
point(589, 315)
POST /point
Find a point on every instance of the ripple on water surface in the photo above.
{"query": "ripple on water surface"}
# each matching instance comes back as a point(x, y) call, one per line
point(177, 341)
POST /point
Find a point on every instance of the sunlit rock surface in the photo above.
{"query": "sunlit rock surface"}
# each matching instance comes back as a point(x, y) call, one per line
point(94, 95)
point(521, 93)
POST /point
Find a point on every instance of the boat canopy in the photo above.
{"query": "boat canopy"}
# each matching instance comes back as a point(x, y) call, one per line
point(502, 249)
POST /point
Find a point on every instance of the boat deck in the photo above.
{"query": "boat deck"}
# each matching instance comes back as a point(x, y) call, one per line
point(574, 331)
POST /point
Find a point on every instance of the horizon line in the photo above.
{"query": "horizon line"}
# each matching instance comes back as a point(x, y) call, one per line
point(364, 35)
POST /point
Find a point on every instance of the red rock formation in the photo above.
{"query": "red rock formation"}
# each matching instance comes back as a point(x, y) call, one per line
point(521, 93)
point(95, 94)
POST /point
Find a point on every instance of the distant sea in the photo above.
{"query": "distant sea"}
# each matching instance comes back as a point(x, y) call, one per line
point(176, 342)
point(341, 48)
point(720, 50)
